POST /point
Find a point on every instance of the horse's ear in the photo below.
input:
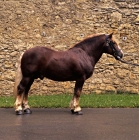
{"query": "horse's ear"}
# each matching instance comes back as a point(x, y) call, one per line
point(110, 35)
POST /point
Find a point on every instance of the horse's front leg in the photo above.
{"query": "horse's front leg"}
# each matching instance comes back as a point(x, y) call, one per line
point(75, 107)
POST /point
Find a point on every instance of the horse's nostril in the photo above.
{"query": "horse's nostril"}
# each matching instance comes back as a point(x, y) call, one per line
point(122, 55)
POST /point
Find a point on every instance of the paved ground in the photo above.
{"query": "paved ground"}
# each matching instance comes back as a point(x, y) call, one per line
point(59, 124)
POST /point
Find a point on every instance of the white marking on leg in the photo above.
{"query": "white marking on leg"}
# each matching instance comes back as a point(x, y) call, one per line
point(77, 108)
point(75, 104)
point(25, 103)
point(18, 102)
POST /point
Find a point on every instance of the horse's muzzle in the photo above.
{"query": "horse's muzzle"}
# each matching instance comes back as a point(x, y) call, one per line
point(118, 55)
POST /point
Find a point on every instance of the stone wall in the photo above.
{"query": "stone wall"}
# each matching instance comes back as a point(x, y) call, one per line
point(59, 24)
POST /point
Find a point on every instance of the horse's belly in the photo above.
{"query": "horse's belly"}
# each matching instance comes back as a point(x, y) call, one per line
point(60, 76)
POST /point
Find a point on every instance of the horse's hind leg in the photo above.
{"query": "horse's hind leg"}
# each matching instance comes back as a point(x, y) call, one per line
point(20, 95)
point(26, 107)
point(75, 107)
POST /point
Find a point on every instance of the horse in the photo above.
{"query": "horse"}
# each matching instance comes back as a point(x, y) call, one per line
point(75, 64)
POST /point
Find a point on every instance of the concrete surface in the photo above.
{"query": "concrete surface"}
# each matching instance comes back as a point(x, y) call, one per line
point(60, 124)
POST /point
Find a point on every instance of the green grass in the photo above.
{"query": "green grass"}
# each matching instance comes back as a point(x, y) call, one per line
point(6, 101)
point(86, 101)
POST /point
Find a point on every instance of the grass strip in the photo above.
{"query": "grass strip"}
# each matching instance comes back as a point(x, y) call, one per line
point(86, 101)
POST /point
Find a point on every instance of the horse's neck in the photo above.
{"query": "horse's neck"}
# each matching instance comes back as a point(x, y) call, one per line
point(95, 51)
point(97, 54)
point(94, 47)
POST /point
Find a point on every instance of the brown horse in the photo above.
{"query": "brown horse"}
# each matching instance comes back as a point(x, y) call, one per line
point(76, 64)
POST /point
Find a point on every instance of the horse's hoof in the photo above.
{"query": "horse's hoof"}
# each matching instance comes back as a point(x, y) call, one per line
point(72, 111)
point(27, 111)
point(19, 112)
point(77, 112)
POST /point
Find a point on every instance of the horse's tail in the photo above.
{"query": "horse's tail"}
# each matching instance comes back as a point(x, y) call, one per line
point(18, 76)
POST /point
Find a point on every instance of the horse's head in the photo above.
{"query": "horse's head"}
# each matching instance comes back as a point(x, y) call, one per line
point(113, 48)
